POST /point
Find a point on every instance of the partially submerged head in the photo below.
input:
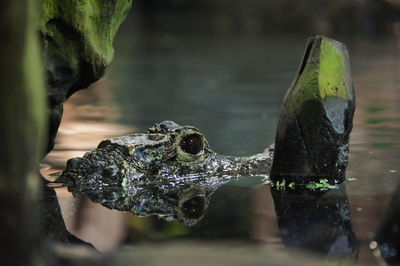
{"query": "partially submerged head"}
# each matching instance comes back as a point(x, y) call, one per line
point(169, 171)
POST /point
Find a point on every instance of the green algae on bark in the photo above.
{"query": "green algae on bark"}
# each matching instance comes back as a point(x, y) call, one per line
point(22, 116)
point(76, 38)
point(316, 117)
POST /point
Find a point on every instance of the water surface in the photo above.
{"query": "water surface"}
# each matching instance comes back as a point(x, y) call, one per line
point(231, 89)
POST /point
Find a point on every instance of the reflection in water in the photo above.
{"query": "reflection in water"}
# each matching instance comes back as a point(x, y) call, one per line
point(388, 236)
point(317, 221)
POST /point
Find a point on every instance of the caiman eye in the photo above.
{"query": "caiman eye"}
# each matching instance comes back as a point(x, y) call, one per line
point(192, 144)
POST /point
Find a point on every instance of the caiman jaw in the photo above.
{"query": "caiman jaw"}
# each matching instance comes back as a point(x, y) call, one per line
point(169, 171)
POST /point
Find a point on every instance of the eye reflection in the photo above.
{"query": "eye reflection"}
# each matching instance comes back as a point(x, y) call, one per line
point(192, 144)
point(194, 208)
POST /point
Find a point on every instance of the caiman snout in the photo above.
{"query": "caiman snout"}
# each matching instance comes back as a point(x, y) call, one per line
point(77, 167)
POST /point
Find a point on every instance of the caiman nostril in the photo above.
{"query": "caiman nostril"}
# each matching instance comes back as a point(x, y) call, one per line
point(110, 171)
point(77, 162)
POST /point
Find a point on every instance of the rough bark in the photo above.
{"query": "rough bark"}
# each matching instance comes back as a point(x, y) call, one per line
point(310, 155)
point(76, 38)
point(316, 117)
point(22, 116)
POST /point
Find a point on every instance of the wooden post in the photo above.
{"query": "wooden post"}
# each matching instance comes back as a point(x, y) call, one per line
point(316, 117)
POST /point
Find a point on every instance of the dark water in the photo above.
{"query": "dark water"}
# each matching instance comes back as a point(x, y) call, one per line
point(231, 89)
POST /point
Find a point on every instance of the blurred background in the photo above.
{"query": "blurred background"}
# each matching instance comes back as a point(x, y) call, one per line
point(224, 66)
point(367, 17)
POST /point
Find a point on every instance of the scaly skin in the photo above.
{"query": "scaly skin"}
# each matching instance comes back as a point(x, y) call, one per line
point(169, 171)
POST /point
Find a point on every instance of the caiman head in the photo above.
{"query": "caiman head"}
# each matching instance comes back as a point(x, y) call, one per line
point(169, 171)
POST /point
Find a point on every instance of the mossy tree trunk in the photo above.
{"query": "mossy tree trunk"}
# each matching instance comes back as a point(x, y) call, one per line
point(23, 126)
point(76, 38)
point(311, 152)
point(316, 117)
